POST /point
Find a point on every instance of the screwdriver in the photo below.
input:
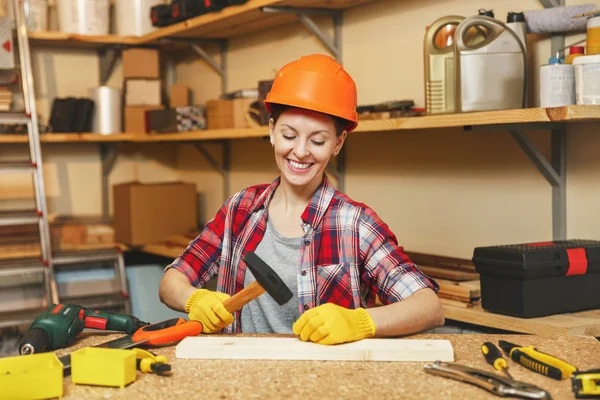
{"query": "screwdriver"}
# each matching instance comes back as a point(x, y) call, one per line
point(494, 357)
point(537, 361)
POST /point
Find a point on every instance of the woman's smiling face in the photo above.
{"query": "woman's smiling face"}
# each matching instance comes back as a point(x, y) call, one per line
point(304, 141)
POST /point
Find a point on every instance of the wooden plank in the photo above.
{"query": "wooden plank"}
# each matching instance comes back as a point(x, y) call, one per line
point(468, 289)
point(447, 273)
point(459, 304)
point(582, 323)
point(242, 19)
point(53, 38)
point(214, 134)
point(576, 113)
point(69, 138)
point(284, 348)
point(441, 261)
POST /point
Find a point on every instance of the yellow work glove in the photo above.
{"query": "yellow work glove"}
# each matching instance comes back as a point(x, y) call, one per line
point(207, 307)
point(333, 324)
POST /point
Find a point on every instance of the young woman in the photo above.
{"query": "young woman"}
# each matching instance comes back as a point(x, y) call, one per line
point(349, 277)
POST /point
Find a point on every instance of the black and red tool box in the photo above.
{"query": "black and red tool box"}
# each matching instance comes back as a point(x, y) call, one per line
point(538, 279)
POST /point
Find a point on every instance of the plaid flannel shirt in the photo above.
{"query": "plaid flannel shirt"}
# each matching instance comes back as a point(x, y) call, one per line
point(349, 256)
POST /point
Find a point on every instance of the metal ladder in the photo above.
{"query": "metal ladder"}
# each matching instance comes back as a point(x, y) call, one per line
point(39, 215)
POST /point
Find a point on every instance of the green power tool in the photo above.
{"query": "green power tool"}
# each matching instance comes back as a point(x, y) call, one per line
point(58, 326)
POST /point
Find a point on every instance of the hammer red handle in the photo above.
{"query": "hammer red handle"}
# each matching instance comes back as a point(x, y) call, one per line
point(243, 297)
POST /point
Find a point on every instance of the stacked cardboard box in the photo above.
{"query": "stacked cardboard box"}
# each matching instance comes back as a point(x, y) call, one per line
point(228, 114)
point(142, 87)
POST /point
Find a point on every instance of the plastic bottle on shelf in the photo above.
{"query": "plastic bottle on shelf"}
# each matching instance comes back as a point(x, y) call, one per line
point(574, 52)
point(516, 22)
point(593, 35)
point(490, 74)
point(439, 65)
point(557, 84)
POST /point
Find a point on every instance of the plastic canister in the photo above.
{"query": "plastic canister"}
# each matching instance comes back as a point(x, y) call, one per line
point(490, 73)
point(574, 52)
point(516, 22)
point(439, 65)
point(132, 17)
point(593, 35)
point(587, 79)
point(84, 17)
point(36, 15)
point(557, 84)
point(107, 110)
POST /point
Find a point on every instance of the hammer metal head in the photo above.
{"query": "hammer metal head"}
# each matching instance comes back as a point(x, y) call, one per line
point(268, 279)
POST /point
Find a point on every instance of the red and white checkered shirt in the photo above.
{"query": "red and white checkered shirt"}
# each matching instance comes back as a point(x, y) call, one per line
point(349, 256)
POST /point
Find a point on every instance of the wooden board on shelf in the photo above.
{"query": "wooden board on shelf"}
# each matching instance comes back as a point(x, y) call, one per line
point(290, 348)
point(447, 273)
point(214, 134)
point(580, 323)
point(577, 113)
point(52, 38)
point(242, 19)
point(69, 138)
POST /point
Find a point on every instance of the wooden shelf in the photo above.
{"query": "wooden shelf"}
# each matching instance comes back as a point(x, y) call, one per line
point(72, 40)
point(230, 22)
point(70, 138)
point(242, 19)
point(570, 114)
point(215, 134)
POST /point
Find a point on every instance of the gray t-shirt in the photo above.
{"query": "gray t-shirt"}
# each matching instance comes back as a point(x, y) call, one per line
point(263, 314)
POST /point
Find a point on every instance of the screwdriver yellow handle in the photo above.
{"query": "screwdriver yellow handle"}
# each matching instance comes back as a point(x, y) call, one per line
point(542, 363)
point(493, 356)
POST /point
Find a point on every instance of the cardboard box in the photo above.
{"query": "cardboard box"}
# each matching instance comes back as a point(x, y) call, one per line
point(136, 119)
point(140, 63)
point(143, 92)
point(178, 119)
point(148, 213)
point(228, 114)
point(179, 95)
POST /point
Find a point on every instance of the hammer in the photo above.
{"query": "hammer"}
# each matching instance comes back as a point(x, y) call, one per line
point(266, 281)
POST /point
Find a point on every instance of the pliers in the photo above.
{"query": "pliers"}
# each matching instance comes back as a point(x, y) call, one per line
point(493, 383)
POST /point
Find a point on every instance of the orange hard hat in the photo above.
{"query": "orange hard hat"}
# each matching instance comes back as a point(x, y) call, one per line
point(316, 82)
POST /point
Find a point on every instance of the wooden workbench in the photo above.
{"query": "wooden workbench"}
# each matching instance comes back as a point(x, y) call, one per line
point(258, 379)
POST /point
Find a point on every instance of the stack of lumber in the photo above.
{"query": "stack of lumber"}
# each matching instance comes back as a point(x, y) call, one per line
point(6, 98)
point(67, 234)
point(459, 283)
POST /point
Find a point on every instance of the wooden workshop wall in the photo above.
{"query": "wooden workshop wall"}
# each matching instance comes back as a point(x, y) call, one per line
point(444, 191)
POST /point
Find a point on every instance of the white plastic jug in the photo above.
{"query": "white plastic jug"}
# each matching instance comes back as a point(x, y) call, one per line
point(439, 65)
point(491, 72)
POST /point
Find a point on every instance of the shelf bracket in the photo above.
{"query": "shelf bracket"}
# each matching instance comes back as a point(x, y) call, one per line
point(555, 172)
point(222, 167)
point(107, 59)
point(108, 157)
point(220, 69)
point(334, 45)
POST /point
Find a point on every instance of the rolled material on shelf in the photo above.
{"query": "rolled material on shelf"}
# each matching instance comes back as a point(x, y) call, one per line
point(107, 114)
point(557, 19)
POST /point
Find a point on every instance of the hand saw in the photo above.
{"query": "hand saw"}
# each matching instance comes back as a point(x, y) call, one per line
point(169, 331)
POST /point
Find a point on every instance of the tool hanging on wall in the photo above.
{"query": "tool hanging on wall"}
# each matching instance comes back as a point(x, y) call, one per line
point(493, 383)
point(537, 361)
